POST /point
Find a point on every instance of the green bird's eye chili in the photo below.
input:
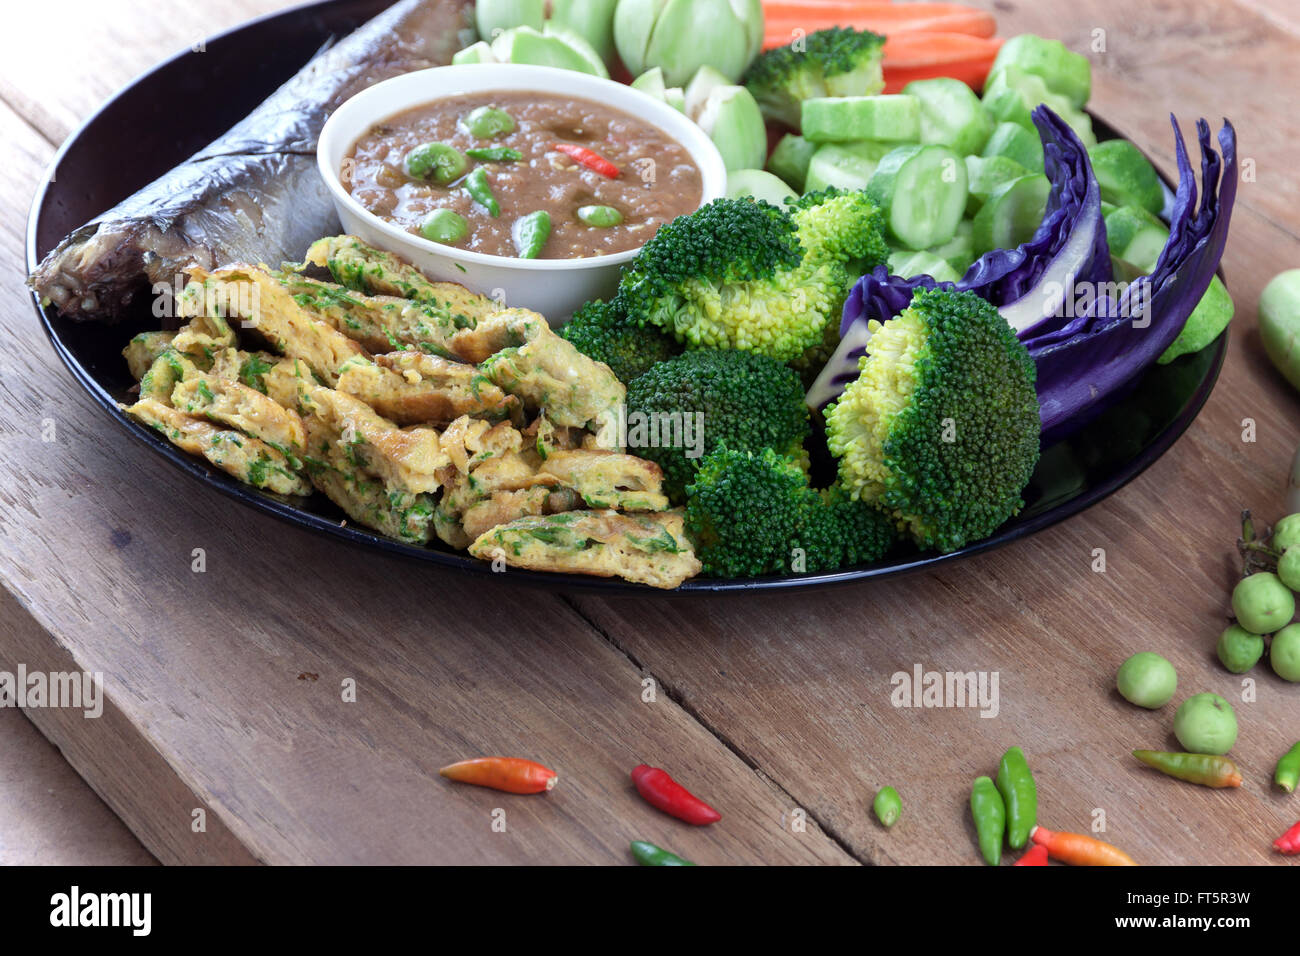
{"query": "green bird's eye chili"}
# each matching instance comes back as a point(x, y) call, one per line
point(887, 806)
point(647, 854)
point(480, 190)
point(664, 793)
point(531, 233)
point(494, 154)
point(1289, 842)
point(1206, 769)
point(990, 816)
point(600, 217)
point(1288, 770)
point(488, 122)
point(437, 161)
point(589, 158)
point(1020, 794)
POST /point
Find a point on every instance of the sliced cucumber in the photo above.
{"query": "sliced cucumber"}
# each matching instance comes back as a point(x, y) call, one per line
point(908, 263)
point(951, 115)
point(1210, 317)
point(789, 161)
point(843, 165)
point(1016, 142)
point(1010, 97)
point(760, 185)
point(922, 190)
point(1064, 71)
point(1136, 236)
point(1012, 213)
point(959, 251)
point(843, 119)
point(1125, 176)
point(987, 173)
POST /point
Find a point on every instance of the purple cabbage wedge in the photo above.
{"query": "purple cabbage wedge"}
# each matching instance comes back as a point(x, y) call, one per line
point(1088, 351)
point(1104, 347)
point(1068, 247)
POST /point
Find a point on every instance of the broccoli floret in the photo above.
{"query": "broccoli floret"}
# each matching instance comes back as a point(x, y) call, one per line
point(743, 274)
point(839, 531)
point(745, 401)
point(745, 511)
point(840, 61)
point(941, 426)
point(601, 331)
point(755, 514)
point(842, 226)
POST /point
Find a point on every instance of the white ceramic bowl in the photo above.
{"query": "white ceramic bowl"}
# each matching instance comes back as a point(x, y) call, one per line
point(553, 287)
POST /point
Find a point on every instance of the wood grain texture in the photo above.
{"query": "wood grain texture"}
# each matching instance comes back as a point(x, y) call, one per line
point(1036, 612)
point(772, 707)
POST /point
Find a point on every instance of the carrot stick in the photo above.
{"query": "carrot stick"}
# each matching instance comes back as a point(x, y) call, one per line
point(1079, 849)
point(923, 56)
point(784, 19)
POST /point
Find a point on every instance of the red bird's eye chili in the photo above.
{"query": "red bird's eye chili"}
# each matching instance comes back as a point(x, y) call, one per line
point(1036, 855)
point(1207, 770)
point(511, 774)
point(589, 158)
point(1079, 850)
point(1289, 842)
point(664, 793)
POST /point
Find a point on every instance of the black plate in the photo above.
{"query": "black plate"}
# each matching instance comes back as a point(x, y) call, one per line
point(153, 124)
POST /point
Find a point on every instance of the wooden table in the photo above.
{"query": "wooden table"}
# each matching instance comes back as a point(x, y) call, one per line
point(224, 688)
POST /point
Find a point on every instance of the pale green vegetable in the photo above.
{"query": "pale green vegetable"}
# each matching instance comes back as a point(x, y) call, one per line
point(1284, 655)
point(1206, 724)
point(683, 35)
point(554, 47)
point(1147, 679)
point(480, 52)
point(1238, 649)
point(790, 160)
point(1279, 323)
point(951, 115)
point(593, 20)
point(492, 17)
point(1286, 533)
point(1063, 71)
point(731, 118)
point(1262, 603)
point(1012, 95)
point(760, 185)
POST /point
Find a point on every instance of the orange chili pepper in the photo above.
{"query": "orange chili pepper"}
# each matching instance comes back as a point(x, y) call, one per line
point(1079, 849)
point(1036, 855)
point(511, 774)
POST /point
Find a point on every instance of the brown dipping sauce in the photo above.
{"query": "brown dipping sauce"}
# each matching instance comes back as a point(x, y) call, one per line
point(658, 180)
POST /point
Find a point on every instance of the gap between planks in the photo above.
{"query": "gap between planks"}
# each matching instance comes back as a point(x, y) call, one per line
point(725, 740)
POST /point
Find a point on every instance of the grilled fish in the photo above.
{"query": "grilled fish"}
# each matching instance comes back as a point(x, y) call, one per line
point(254, 195)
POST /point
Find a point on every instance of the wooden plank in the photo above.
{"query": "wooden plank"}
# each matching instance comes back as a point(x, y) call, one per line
point(802, 685)
point(225, 687)
point(91, 50)
point(48, 815)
